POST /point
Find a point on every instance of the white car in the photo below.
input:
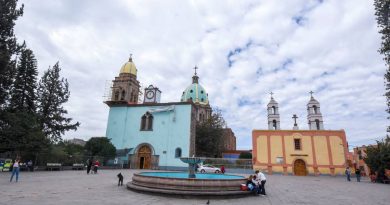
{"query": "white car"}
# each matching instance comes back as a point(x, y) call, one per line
point(208, 169)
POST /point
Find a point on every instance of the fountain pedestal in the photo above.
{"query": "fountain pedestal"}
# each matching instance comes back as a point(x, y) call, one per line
point(191, 161)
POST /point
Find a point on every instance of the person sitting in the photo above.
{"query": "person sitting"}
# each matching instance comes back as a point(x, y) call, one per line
point(252, 184)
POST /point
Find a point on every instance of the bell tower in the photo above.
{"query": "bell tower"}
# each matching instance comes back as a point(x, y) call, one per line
point(273, 114)
point(314, 116)
point(125, 87)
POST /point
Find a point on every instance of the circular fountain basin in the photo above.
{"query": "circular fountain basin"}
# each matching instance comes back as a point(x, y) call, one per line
point(178, 183)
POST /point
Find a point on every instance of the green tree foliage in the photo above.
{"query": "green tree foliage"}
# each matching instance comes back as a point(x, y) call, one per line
point(20, 129)
point(23, 96)
point(22, 133)
point(382, 12)
point(52, 94)
point(9, 47)
point(71, 148)
point(209, 136)
point(245, 155)
point(378, 157)
point(100, 146)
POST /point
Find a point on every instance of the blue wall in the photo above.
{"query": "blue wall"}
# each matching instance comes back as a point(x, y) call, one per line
point(171, 130)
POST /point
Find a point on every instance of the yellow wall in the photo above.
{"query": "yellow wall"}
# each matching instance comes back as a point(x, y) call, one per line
point(324, 170)
point(306, 153)
point(321, 149)
point(262, 151)
point(336, 145)
point(276, 148)
point(306, 149)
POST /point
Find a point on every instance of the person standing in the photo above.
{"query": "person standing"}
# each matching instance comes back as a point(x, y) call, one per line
point(262, 179)
point(30, 165)
point(15, 170)
point(348, 173)
point(357, 172)
point(96, 166)
point(223, 169)
point(89, 165)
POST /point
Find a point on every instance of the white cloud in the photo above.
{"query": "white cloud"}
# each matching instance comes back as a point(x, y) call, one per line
point(289, 48)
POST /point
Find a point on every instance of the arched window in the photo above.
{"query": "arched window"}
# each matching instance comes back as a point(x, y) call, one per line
point(177, 153)
point(132, 97)
point(315, 109)
point(274, 125)
point(273, 110)
point(143, 122)
point(147, 122)
point(318, 124)
point(150, 122)
point(116, 96)
point(123, 95)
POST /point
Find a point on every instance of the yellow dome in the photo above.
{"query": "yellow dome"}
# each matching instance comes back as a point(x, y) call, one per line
point(129, 67)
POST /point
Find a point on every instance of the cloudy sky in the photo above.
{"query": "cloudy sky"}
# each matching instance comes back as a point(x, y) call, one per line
point(244, 49)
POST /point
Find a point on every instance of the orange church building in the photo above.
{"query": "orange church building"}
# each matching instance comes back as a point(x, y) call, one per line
point(299, 152)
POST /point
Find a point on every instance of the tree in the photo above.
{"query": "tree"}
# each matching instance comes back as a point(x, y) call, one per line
point(52, 94)
point(23, 133)
point(378, 157)
point(209, 136)
point(382, 12)
point(23, 93)
point(100, 146)
point(9, 47)
point(245, 155)
point(20, 129)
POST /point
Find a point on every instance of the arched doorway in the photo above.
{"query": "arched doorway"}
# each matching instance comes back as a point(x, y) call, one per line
point(300, 168)
point(144, 156)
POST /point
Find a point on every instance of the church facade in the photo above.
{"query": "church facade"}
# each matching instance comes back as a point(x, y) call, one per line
point(154, 135)
point(314, 151)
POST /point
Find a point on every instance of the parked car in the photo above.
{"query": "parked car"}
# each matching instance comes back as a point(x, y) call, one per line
point(206, 168)
point(7, 165)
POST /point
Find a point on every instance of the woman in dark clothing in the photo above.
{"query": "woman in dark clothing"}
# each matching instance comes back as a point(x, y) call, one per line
point(89, 165)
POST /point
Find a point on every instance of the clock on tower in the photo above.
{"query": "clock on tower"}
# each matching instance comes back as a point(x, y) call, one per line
point(152, 94)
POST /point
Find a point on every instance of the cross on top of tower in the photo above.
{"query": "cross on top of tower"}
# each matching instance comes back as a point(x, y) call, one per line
point(311, 93)
point(295, 119)
point(196, 67)
point(271, 93)
point(131, 57)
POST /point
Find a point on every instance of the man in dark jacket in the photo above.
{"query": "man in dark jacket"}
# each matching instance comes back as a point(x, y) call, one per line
point(357, 172)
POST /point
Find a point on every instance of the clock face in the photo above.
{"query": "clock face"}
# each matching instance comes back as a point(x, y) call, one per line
point(150, 94)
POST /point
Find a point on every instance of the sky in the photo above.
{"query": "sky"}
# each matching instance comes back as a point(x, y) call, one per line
point(243, 49)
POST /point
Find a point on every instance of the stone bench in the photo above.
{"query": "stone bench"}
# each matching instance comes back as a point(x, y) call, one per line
point(77, 166)
point(53, 166)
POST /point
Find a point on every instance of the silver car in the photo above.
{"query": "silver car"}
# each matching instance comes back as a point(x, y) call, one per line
point(206, 168)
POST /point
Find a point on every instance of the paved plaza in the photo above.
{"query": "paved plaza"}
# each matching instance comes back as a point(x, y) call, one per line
point(76, 187)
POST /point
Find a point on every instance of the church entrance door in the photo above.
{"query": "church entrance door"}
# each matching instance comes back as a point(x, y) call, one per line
point(144, 157)
point(300, 168)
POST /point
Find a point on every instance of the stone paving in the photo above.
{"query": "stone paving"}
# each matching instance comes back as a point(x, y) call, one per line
point(76, 187)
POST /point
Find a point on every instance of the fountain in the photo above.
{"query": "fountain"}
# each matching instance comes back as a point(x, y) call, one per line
point(183, 183)
point(191, 161)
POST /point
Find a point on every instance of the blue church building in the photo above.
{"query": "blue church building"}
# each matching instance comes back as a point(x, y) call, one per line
point(151, 134)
